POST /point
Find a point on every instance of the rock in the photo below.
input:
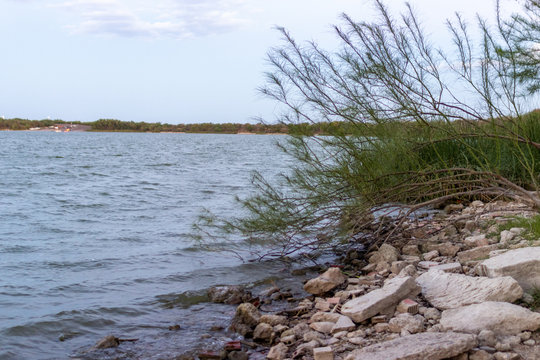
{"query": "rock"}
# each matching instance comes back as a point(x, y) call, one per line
point(500, 317)
point(408, 270)
point(232, 295)
point(432, 314)
point(432, 346)
point(526, 335)
point(407, 306)
point(475, 241)
point(521, 264)
point(277, 352)
point(264, 332)
point(313, 335)
point(451, 208)
point(478, 253)
point(427, 264)
point(386, 253)
point(238, 355)
point(288, 340)
point(506, 356)
point(431, 255)
point(393, 291)
point(322, 327)
point(450, 268)
point(408, 322)
point(445, 249)
point(325, 316)
point(448, 291)
point(381, 327)
point(397, 266)
point(410, 250)
point(487, 338)
point(306, 348)
point(246, 318)
point(480, 355)
point(324, 353)
point(107, 342)
point(529, 342)
point(329, 280)
point(507, 236)
point(273, 319)
point(344, 323)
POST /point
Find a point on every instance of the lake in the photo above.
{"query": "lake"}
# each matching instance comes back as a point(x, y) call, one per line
point(94, 238)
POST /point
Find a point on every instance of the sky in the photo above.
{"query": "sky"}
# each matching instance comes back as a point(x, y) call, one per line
point(169, 61)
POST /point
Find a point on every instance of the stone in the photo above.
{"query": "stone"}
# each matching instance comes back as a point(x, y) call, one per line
point(288, 340)
point(386, 253)
point(407, 322)
point(475, 241)
point(263, 332)
point(506, 356)
point(376, 301)
point(107, 342)
point(507, 236)
point(408, 270)
point(521, 264)
point(446, 249)
point(480, 355)
point(407, 306)
point(479, 253)
point(529, 342)
point(313, 335)
point(344, 323)
point(526, 335)
point(427, 264)
point(450, 268)
point(431, 255)
point(247, 317)
point(448, 291)
point(322, 327)
point(238, 355)
point(381, 327)
point(412, 250)
point(329, 280)
point(487, 338)
point(323, 353)
point(228, 294)
point(397, 266)
point(273, 319)
point(432, 346)
point(432, 314)
point(325, 317)
point(500, 317)
point(451, 208)
point(277, 352)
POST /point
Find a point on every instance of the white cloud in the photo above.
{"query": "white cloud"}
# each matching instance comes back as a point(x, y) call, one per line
point(157, 18)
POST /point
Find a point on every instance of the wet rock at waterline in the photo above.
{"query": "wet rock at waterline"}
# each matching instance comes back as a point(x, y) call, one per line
point(329, 280)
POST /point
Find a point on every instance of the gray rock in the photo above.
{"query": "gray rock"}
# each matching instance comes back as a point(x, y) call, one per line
point(325, 316)
point(323, 353)
point(233, 294)
point(487, 338)
point(507, 236)
point(480, 355)
point(344, 323)
point(273, 319)
point(431, 255)
point(386, 253)
point(410, 250)
point(477, 240)
point(478, 253)
point(411, 323)
point(521, 264)
point(264, 332)
point(247, 316)
point(447, 291)
point(322, 327)
point(450, 268)
point(376, 301)
point(329, 280)
point(432, 346)
point(278, 352)
point(500, 317)
point(107, 342)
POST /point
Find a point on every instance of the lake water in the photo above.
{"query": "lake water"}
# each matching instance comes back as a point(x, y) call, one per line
point(94, 238)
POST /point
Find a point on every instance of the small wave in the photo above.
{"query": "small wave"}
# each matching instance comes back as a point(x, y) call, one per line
point(184, 300)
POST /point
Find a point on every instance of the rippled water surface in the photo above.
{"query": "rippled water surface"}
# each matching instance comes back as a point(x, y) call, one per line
point(94, 237)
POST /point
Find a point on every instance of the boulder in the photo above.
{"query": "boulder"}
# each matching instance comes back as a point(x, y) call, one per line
point(376, 301)
point(277, 352)
point(246, 318)
point(451, 267)
point(500, 317)
point(386, 253)
point(263, 332)
point(521, 264)
point(329, 280)
point(407, 322)
point(432, 346)
point(478, 253)
point(447, 291)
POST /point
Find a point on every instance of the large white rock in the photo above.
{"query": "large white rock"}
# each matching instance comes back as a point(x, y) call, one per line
point(329, 280)
point(428, 345)
point(447, 291)
point(500, 317)
point(521, 264)
point(369, 305)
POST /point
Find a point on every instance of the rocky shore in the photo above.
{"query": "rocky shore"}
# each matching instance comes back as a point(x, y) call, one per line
point(451, 286)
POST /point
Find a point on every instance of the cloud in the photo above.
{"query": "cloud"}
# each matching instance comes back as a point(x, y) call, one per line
point(156, 19)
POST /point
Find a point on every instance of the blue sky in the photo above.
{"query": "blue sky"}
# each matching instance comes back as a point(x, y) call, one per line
point(174, 61)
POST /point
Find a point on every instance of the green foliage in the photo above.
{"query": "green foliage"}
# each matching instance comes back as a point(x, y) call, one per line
point(423, 126)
